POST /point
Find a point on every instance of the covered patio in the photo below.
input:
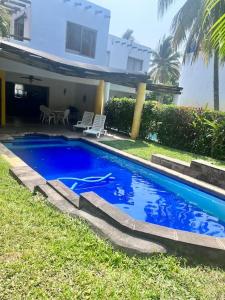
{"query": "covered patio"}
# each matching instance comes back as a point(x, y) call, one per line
point(59, 84)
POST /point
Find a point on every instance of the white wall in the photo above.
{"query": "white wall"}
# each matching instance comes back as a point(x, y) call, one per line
point(45, 25)
point(120, 49)
point(74, 95)
point(48, 27)
point(76, 88)
point(197, 83)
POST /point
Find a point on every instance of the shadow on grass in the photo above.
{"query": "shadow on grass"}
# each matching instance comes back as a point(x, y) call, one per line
point(145, 150)
point(127, 144)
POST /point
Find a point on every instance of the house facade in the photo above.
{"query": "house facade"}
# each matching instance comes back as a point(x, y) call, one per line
point(132, 57)
point(76, 30)
point(60, 54)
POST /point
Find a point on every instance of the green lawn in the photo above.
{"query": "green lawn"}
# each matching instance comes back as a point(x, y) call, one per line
point(47, 255)
point(145, 150)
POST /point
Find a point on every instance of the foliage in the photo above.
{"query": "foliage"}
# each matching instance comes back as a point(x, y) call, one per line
point(174, 128)
point(190, 129)
point(119, 113)
point(191, 28)
point(161, 97)
point(164, 63)
point(4, 22)
point(47, 255)
point(217, 30)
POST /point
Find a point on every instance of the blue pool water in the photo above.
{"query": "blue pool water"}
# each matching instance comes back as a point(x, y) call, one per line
point(142, 193)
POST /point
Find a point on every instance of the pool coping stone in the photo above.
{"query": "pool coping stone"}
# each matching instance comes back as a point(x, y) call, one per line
point(120, 240)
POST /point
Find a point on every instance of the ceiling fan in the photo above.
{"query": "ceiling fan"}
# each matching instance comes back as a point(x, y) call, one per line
point(31, 78)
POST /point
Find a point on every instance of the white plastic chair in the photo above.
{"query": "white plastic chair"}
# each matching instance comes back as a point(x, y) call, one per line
point(47, 115)
point(86, 121)
point(98, 126)
point(65, 117)
point(42, 110)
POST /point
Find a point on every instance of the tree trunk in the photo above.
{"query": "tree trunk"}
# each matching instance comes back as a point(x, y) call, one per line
point(216, 81)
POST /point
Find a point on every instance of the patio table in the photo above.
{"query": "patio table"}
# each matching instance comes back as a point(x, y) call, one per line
point(58, 114)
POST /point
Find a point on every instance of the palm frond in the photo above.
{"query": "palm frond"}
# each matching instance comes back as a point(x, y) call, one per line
point(184, 20)
point(215, 9)
point(4, 22)
point(163, 5)
point(165, 63)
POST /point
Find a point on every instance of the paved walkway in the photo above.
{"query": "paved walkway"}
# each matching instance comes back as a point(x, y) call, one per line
point(52, 129)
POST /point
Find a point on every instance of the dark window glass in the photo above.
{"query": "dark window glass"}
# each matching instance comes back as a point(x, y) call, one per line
point(19, 29)
point(81, 40)
point(134, 64)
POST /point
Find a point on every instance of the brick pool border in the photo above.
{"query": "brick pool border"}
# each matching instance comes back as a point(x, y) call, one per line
point(207, 248)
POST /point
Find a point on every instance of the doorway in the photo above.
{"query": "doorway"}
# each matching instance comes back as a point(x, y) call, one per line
point(23, 101)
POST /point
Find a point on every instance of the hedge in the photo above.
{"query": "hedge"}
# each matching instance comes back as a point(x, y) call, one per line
point(200, 131)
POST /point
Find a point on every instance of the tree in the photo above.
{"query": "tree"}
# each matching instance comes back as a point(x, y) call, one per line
point(217, 30)
point(165, 63)
point(4, 22)
point(128, 35)
point(191, 28)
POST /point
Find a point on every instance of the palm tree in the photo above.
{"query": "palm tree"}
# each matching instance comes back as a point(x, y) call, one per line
point(165, 63)
point(190, 27)
point(128, 35)
point(4, 22)
point(217, 31)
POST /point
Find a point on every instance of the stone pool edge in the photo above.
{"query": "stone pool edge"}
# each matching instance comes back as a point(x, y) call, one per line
point(176, 241)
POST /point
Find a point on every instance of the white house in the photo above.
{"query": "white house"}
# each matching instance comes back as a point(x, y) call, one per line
point(132, 57)
point(60, 54)
point(197, 80)
point(76, 30)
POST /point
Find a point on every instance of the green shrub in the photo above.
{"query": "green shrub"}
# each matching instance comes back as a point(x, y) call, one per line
point(196, 130)
point(120, 113)
point(175, 126)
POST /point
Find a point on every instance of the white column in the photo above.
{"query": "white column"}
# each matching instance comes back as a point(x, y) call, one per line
point(107, 91)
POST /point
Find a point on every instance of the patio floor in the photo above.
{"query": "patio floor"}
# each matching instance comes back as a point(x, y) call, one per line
point(11, 129)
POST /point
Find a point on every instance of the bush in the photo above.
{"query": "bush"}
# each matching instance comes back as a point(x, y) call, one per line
point(120, 113)
point(191, 129)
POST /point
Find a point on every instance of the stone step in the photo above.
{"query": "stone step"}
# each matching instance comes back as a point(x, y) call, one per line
point(120, 240)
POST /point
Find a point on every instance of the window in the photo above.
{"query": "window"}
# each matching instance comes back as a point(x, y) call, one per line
point(80, 39)
point(19, 91)
point(19, 28)
point(134, 64)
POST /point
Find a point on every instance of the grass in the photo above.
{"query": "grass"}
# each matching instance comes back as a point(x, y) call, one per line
point(47, 255)
point(146, 149)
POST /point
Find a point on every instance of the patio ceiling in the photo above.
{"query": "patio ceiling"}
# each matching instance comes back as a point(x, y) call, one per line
point(49, 62)
point(14, 6)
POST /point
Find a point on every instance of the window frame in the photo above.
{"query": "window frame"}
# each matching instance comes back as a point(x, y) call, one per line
point(135, 60)
point(19, 87)
point(16, 36)
point(83, 28)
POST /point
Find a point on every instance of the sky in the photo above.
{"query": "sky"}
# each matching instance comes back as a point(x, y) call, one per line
point(142, 17)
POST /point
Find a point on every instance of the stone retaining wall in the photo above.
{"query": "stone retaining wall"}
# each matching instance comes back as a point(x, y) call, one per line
point(198, 169)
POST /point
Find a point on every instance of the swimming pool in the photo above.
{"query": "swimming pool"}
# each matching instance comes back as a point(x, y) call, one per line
point(142, 193)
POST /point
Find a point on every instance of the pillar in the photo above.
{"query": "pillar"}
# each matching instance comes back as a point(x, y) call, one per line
point(107, 91)
point(100, 98)
point(141, 91)
point(3, 100)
